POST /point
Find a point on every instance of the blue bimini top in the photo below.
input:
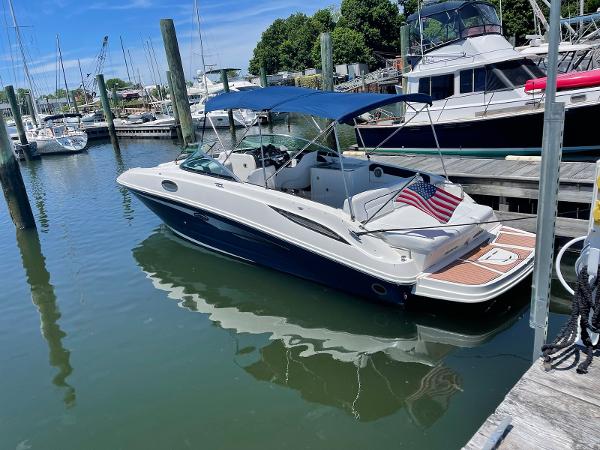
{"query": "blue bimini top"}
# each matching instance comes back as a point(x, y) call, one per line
point(339, 106)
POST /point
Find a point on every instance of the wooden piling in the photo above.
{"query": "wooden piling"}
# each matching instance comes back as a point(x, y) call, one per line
point(167, 28)
point(174, 105)
point(225, 80)
point(263, 76)
point(23, 144)
point(327, 77)
point(29, 100)
point(75, 108)
point(404, 45)
point(107, 112)
point(16, 112)
point(115, 98)
point(327, 62)
point(12, 183)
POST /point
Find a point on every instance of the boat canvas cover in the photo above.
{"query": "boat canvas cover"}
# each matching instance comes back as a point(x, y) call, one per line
point(339, 106)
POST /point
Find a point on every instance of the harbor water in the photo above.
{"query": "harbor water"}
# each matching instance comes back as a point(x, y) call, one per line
point(115, 334)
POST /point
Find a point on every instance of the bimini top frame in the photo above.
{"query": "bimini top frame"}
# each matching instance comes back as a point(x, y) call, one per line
point(339, 106)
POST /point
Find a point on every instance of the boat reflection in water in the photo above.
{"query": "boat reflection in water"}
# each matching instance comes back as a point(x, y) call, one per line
point(367, 359)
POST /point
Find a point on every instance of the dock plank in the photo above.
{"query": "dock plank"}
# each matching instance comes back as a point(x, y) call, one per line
point(559, 409)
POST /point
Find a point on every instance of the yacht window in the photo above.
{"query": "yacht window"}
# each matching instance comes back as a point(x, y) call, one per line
point(493, 81)
point(439, 87)
point(472, 80)
point(466, 81)
point(479, 79)
point(208, 166)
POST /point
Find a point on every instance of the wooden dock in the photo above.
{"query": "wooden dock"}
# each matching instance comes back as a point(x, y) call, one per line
point(96, 132)
point(143, 131)
point(511, 186)
point(553, 410)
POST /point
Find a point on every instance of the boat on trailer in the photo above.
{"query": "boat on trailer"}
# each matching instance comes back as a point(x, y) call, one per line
point(303, 208)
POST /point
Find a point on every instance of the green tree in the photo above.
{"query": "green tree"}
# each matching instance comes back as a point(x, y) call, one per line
point(378, 20)
point(348, 46)
point(267, 50)
point(117, 83)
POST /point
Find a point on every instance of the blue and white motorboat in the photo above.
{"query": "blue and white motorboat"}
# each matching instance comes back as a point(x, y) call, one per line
point(303, 208)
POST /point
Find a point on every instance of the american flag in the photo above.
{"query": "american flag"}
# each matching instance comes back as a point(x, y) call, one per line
point(432, 200)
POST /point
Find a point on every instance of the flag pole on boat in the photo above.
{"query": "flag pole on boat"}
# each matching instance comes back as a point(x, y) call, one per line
point(554, 114)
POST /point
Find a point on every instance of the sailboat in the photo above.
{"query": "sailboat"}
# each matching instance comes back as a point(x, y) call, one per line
point(52, 134)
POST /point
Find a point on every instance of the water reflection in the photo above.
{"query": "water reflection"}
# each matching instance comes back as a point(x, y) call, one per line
point(39, 194)
point(42, 296)
point(337, 350)
point(126, 202)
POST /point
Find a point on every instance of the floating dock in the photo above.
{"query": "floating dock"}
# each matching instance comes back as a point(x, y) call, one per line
point(511, 187)
point(144, 131)
point(96, 132)
point(559, 409)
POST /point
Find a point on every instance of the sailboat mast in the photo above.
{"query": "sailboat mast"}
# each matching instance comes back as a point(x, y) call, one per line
point(26, 68)
point(197, 10)
point(63, 70)
point(82, 81)
point(125, 59)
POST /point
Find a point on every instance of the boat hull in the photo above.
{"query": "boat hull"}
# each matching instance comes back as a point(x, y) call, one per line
point(251, 245)
point(518, 134)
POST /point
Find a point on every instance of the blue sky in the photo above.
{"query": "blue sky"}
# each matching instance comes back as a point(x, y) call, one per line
point(231, 29)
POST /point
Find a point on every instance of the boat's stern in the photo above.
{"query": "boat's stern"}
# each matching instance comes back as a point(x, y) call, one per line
point(483, 273)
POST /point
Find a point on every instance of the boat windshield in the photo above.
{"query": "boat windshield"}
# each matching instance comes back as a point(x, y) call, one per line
point(200, 162)
point(290, 143)
point(442, 24)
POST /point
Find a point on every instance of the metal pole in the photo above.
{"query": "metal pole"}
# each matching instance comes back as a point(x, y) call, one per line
point(327, 61)
point(107, 112)
point(341, 156)
point(225, 81)
point(554, 115)
point(12, 183)
point(167, 28)
point(174, 105)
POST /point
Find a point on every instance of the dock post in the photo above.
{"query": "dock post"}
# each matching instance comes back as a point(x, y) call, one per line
point(327, 61)
point(327, 76)
point(29, 100)
point(114, 98)
point(12, 183)
point(174, 106)
point(554, 116)
point(404, 45)
point(75, 108)
point(167, 29)
point(225, 81)
point(107, 112)
point(23, 144)
point(264, 82)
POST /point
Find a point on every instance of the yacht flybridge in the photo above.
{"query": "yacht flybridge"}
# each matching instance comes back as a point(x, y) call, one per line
point(371, 229)
point(477, 83)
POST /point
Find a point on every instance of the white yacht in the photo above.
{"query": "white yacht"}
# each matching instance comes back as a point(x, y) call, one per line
point(477, 81)
point(305, 209)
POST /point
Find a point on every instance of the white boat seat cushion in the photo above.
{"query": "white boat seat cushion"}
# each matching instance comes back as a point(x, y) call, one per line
point(368, 203)
point(297, 177)
point(242, 165)
point(257, 176)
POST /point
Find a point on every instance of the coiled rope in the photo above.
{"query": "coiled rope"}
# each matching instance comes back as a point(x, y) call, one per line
point(585, 316)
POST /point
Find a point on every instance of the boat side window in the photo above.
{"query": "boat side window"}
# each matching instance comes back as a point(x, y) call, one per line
point(201, 163)
point(439, 87)
point(472, 80)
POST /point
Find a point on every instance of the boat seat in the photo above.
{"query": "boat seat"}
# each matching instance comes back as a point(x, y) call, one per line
point(242, 165)
point(257, 176)
point(297, 177)
point(367, 203)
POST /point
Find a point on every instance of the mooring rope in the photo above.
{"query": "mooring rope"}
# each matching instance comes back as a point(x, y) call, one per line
point(585, 313)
